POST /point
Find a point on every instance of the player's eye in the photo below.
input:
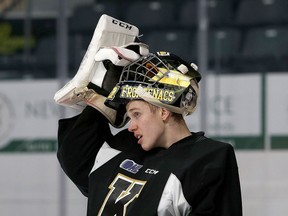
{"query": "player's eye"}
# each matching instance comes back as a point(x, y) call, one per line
point(136, 115)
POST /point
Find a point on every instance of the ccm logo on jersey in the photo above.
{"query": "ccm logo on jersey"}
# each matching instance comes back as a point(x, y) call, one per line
point(151, 171)
point(122, 24)
point(130, 166)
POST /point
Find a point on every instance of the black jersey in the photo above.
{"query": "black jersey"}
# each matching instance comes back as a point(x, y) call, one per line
point(195, 176)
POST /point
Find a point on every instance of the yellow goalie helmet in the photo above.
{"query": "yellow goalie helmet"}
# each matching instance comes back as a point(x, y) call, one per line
point(162, 79)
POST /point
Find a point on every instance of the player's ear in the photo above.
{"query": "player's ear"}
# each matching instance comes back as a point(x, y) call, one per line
point(164, 113)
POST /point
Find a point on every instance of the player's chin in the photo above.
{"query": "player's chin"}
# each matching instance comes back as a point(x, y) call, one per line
point(146, 147)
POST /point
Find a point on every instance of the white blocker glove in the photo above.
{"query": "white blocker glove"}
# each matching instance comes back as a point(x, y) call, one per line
point(109, 32)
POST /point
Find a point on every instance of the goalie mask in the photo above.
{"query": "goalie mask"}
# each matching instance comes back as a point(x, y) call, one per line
point(162, 79)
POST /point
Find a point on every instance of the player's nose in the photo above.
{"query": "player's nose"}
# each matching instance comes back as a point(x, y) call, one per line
point(132, 126)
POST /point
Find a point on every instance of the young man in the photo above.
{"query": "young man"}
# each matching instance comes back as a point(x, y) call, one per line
point(156, 166)
point(154, 126)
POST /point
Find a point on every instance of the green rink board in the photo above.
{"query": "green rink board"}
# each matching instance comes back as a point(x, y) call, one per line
point(239, 142)
point(44, 145)
point(242, 142)
point(279, 142)
point(37, 145)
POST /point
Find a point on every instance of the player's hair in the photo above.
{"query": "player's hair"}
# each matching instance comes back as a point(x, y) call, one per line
point(176, 116)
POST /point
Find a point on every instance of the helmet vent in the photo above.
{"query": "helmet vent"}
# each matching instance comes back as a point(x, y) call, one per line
point(182, 68)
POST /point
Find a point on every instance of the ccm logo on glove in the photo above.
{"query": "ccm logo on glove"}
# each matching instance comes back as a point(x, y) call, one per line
point(122, 24)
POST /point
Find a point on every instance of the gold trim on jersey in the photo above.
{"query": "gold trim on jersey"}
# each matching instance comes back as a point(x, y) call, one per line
point(126, 190)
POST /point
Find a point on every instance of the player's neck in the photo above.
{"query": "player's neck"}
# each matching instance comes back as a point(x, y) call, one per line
point(176, 132)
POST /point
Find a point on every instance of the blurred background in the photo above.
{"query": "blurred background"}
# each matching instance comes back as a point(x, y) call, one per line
point(240, 47)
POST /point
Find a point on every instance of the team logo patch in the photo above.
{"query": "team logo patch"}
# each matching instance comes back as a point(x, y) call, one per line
point(123, 191)
point(130, 166)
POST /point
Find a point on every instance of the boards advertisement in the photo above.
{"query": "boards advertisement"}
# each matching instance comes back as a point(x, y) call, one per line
point(249, 111)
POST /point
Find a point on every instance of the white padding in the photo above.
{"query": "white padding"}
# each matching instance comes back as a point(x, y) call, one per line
point(108, 32)
point(117, 55)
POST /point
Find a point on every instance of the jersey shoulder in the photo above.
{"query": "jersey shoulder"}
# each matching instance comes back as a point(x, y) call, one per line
point(125, 141)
